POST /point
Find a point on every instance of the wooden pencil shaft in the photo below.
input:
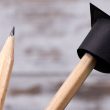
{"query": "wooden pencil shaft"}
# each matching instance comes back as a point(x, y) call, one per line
point(72, 84)
point(6, 64)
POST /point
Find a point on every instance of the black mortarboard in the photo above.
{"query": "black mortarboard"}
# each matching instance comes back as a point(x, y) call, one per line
point(97, 42)
point(96, 14)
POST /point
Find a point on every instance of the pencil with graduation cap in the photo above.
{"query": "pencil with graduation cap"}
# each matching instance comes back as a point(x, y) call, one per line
point(94, 53)
point(6, 65)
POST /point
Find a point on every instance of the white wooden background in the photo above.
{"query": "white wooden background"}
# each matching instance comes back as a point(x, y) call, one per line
point(48, 33)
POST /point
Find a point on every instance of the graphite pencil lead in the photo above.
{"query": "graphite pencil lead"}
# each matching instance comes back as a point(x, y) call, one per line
point(12, 32)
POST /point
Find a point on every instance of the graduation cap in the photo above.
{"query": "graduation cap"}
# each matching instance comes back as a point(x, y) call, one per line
point(94, 52)
point(97, 42)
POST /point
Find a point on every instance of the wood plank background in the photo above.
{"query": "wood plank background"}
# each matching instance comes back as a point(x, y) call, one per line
point(48, 33)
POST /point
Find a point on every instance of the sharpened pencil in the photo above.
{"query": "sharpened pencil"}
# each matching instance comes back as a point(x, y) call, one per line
point(6, 64)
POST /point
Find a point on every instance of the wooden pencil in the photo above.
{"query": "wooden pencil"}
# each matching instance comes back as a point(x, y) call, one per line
point(73, 83)
point(6, 64)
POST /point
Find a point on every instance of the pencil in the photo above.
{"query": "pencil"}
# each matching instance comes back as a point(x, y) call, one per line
point(72, 83)
point(6, 64)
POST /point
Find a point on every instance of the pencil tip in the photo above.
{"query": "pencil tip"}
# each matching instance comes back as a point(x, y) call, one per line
point(12, 33)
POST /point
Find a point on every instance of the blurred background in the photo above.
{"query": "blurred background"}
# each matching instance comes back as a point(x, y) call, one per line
point(48, 33)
